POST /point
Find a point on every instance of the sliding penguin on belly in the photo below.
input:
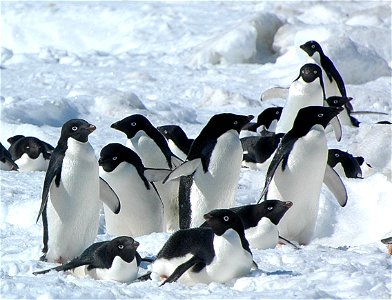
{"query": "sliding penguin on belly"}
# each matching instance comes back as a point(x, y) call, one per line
point(298, 169)
point(203, 255)
point(71, 195)
point(212, 169)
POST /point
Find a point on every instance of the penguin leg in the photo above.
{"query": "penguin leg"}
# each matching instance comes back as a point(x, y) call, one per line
point(45, 234)
point(284, 241)
point(181, 269)
point(144, 277)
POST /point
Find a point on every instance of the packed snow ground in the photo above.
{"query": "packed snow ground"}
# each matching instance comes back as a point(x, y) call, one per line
point(180, 63)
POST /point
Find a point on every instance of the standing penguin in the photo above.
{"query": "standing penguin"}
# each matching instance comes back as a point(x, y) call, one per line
point(177, 140)
point(154, 152)
point(298, 169)
point(141, 207)
point(109, 260)
point(266, 120)
point(333, 81)
point(203, 255)
point(30, 153)
point(6, 161)
point(73, 188)
point(212, 169)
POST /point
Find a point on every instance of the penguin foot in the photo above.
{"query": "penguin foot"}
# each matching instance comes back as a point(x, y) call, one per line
point(43, 258)
point(59, 260)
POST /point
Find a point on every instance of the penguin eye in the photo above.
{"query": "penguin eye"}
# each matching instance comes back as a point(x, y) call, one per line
point(277, 113)
point(27, 147)
point(320, 115)
point(235, 122)
point(314, 72)
point(337, 155)
point(165, 131)
point(121, 246)
point(226, 218)
point(335, 101)
point(270, 208)
point(74, 128)
point(133, 124)
point(313, 46)
point(114, 157)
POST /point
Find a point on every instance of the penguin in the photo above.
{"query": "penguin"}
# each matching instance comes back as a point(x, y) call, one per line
point(260, 222)
point(154, 152)
point(333, 81)
point(217, 253)
point(7, 163)
point(211, 171)
point(141, 207)
point(266, 120)
point(298, 170)
point(115, 260)
point(388, 242)
point(71, 195)
point(350, 164)
point(177, 140)
point(30, 153)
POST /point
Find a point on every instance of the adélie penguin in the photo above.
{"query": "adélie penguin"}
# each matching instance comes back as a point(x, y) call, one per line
point(349, 163)
point(141, 207)
point(152, 148)
point(6, 161)
point(298, 169)
point(71, 195)
point(211, 171)
point(217, 253)
point(115, 260)
point(178, 141)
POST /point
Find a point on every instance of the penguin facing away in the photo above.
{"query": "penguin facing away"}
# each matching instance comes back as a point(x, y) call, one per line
point(203, 255)
point(298, 169)
point(30, 153)
point(141, 207)
point(115, 260)
point(154, 152)
point(211, 170)
point(178, 141)
point(71, 195)
point(6, 161)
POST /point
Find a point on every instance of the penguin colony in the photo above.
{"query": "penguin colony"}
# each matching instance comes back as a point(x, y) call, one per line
point(161, 180)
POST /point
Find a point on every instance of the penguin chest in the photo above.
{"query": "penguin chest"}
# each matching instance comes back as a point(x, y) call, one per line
point(120, 271)
point(28, 164)
point(231, 259)
point(264, 235)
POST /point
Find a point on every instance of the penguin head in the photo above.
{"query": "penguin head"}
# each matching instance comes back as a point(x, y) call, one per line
point(274, 209)
point(132, 124)
point(221, 220)
point(172, 131)
point(30, 145)
point(77, 129)
point(310, 72)
point(311, 47)
point(123, 246)
point(114, 154)
point(338, 100)
point(221, 123)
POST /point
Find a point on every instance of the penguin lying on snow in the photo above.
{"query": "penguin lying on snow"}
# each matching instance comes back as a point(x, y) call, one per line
point(109, 260)
point(141, 207)
point(178, 141)
point(212, 169)
point(30, 153)
point(203, 255)
point(71, 195)
point(351, 165)
point(298, 169)
point(7, 163)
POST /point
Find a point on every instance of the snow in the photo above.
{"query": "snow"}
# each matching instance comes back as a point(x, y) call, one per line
point(180, 63)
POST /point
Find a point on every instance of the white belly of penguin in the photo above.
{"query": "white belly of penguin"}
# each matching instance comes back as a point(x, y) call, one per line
point(301, 94)
point(73, 209)
point(141, 209)
point(301, 183)
point(263, 236)
point(217, 187)
point(27, 164)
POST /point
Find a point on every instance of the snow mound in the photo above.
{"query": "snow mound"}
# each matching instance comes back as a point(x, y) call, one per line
point(220, 97)
point(249, 42)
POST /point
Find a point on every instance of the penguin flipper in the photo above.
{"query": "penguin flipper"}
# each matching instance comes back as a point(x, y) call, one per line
point(187, 168)
point(335, 184)
point(108, 196)
point(176, 161)
point(181, 269)
point(155, 175)
point(337, 128)
point(275, 92)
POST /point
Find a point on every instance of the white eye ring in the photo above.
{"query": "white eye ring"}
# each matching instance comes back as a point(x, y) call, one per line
point(335, 101)
point(114, 158)
point(313, 46)
point(74, 128)
point(235, 122)
point(337, 155)
point(270, 208)
point(27, 147)
point(320, 115)
point(314, 72)
point(226, 218)
point(133, 124)
point(120, 246)
point(165, 131)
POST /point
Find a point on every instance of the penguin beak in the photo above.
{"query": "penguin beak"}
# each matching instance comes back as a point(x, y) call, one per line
point(91, 128)
point(288, 204)
point(114, 125)
point(135, 244)
point(207, 217)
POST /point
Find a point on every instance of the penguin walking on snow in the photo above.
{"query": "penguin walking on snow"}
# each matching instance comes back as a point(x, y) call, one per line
point(178, 141)
point(211, 171)
point(203, 255)
point(141, 207)
point(7, 163)
point(154, 152)
point(115, 260)
point(71, 195)
point(298, 170)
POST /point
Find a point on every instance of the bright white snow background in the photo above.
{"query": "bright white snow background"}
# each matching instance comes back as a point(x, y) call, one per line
point(180, 63)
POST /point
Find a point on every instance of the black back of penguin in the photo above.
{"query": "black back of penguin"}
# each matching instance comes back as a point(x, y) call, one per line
point(177, 135)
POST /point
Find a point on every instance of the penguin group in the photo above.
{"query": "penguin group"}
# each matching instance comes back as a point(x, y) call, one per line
point(161, 180)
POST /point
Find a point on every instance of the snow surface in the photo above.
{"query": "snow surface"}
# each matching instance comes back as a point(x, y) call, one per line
point(180, 63)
